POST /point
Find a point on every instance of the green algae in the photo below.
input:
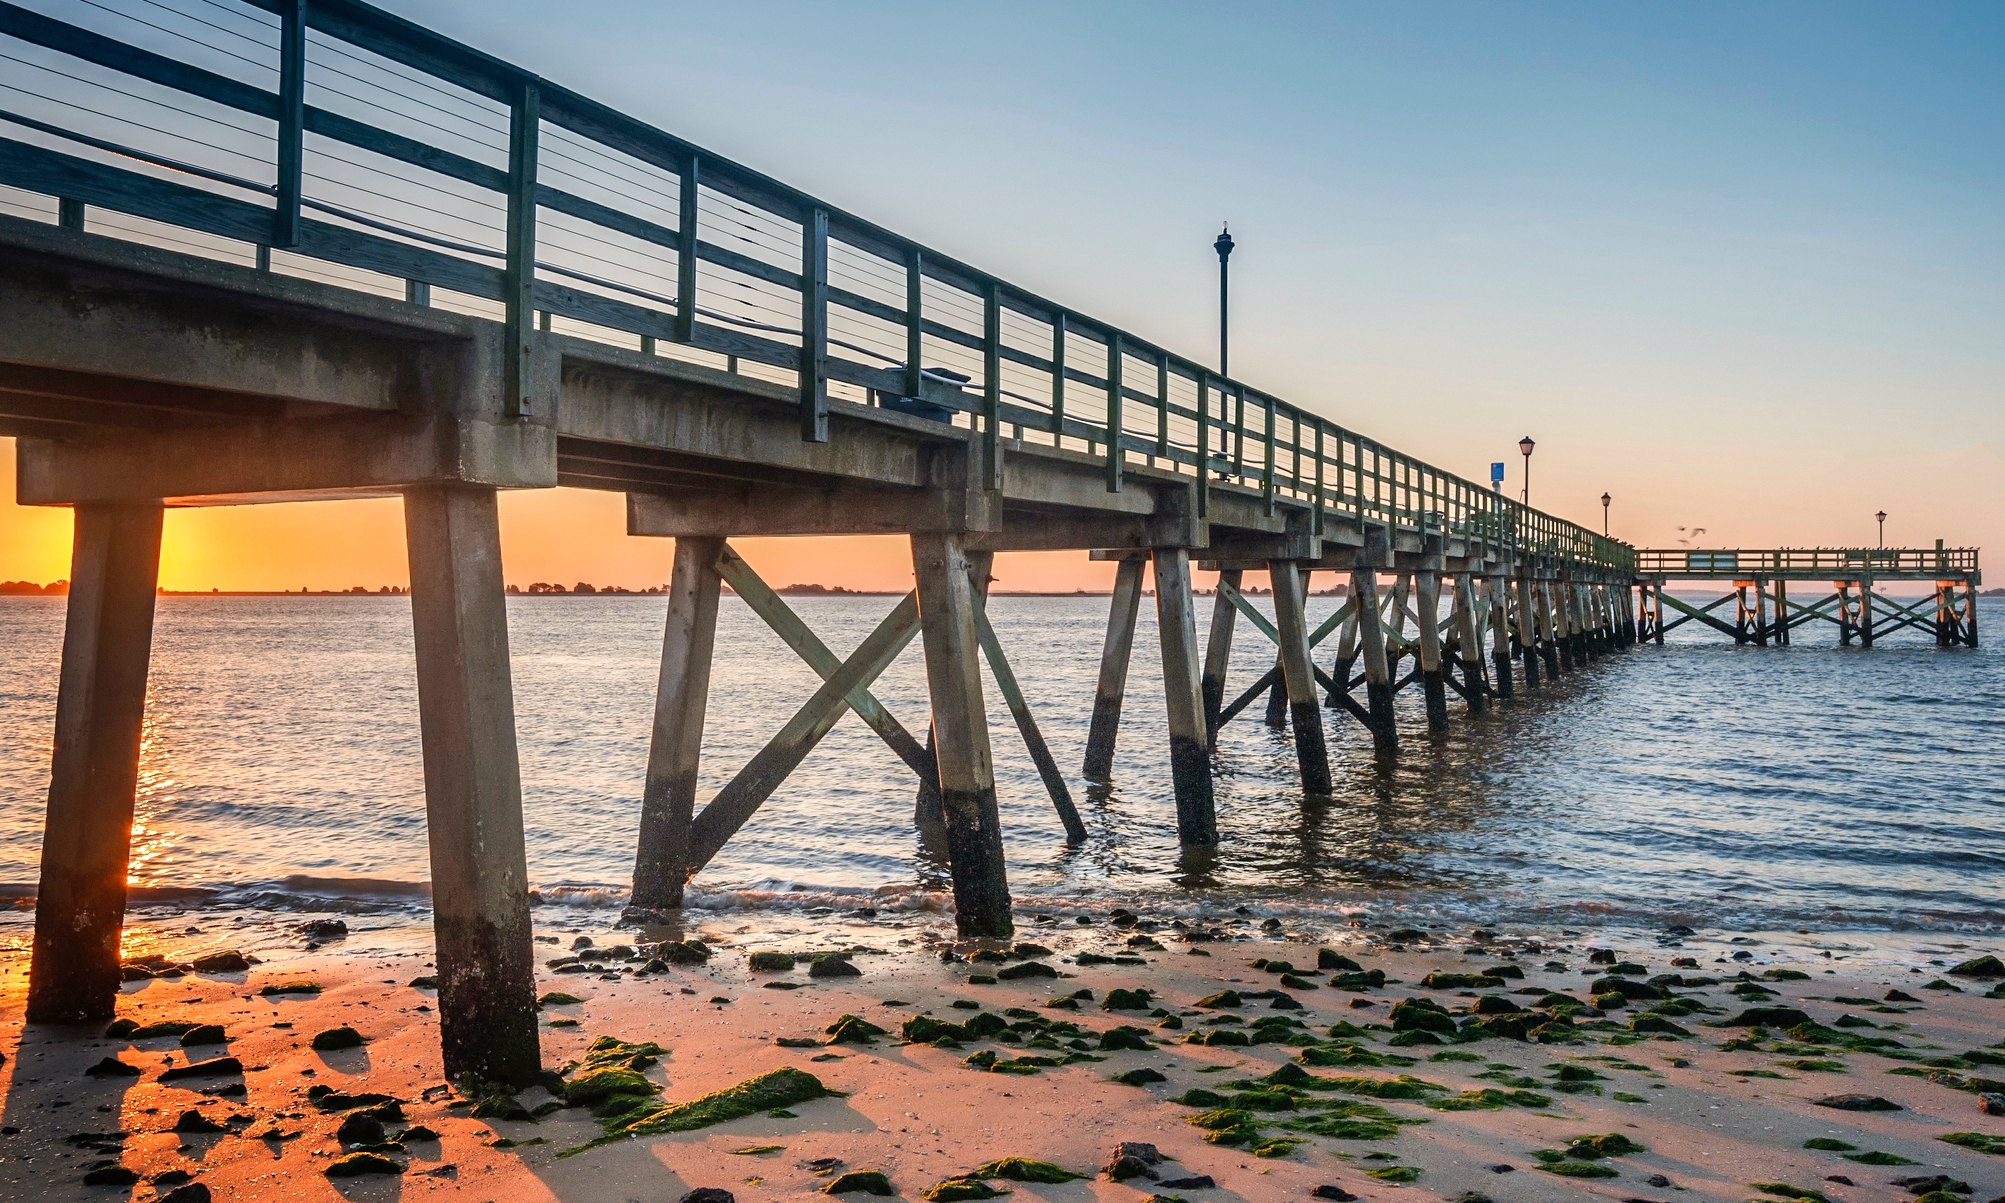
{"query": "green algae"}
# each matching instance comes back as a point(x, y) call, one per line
point(773, 1089)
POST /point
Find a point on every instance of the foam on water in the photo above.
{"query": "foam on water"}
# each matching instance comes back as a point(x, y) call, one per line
point(1801, 788)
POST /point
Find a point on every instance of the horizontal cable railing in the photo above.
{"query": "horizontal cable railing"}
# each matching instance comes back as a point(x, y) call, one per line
point(332, 140)
point(1838, 561)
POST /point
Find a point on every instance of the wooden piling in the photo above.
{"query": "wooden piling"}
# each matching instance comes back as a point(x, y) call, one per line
point(473, 787)
point(668, 802)
point(1347, 655)
point(1299, 674)
point(1500, 634)
point(1469, 649)
point(1190, 760)
point(1114, 656)
point(1761, 627)
point(1427, 599)
point(961, 736)
point(1277, 695)
point(1402, 585)
point(1528, 629)
point(1378, 671)
point(1866, 610)
point(1548, 637)
point(1218, 651)
point(100, 712)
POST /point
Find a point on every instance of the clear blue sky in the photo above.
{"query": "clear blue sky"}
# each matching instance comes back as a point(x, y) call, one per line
point(1742, 266)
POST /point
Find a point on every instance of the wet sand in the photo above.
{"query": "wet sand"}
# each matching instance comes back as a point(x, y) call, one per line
point(920, 1115)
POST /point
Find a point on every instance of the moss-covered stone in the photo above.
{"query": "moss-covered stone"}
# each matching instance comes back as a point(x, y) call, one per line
point(852, 1029)
point(773, 1089)
point(1026, 969)
point(1024, 1169)
point(770, 962)
point(337, 1038)
point(356, 1165)
point(868, 1182)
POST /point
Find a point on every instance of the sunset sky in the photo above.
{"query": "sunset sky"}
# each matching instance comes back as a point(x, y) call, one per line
point(1741, 267)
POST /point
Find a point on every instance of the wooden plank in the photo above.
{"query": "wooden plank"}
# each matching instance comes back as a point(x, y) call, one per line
point(1218, 651)
point(1113, 434)
point(1105, 725)
point(290, 151)
point(1190, 761)
point(1298, 671)
point(814, 327)
point(688, 210)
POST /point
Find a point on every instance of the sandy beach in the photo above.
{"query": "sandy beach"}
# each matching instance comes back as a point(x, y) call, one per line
point(1691, 1111)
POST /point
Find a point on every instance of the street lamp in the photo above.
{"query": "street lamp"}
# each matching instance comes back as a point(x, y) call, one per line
point(1882, 516)
point(1525, 445)
point(1223, 245)
point(1604, 515)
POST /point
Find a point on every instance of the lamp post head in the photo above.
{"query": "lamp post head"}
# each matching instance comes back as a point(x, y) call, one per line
point(1223, 244)
point(1604, 501)
point(1882, 515)
point(1525, 445)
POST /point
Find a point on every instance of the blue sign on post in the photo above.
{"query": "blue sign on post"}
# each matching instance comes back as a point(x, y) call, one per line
point(1497, 476)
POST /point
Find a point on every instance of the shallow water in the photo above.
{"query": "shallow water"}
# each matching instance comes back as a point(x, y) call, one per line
point(1808, 787)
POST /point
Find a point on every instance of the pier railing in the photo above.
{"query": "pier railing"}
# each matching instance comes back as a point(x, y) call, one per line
point(1806, 562)
point(330, 139)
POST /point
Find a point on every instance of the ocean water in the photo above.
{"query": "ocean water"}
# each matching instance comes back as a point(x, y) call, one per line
point(1806, 788)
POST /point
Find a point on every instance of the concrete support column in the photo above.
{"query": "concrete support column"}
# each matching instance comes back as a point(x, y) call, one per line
point(1190, 761)
point(473, 787)
point(1114, 656)
point(668, 803)
point(1378, 673)
point(100, 710)
point(1528, 630)
point(1500, 635)
point(1427, 598)
point(961, 736)
point(1218, 652)
point(1299, 674)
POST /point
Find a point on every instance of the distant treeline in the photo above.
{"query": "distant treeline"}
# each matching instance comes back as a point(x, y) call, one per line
point(18, 588)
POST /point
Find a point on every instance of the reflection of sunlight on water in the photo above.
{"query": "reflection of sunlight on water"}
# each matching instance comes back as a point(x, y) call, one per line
point(1801, 786)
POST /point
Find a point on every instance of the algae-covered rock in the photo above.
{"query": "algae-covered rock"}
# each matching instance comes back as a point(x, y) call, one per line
point(1366, 979)
point(1139, 1077)
point(1631, 990)
point(230, 961)
point(355, 1165)
point(1224, 998)
point(869, 1182)
point(111, 1174)
point(956, 1190)
point(1460, 981)
point(1985, 968)
point(1656, 1023)
point(1329, 958)
point(852, 1029)
point(1125, 1037)
point(1768, 1017)
point(196, 1122)
point(1857, 1102)
point(770, 962)
point(212, 1068)
point(1024, 1169)
point(337, 1038)
point(924, 1029)
point(112, 1067)
point(1025, 969)
point(834, 964)
point(292, 987)
point(594, 1087)
point(1420, 1015)
point(1613, 1144)
point(1217, 1037)
point(769, 1091)
point(1126, 1000)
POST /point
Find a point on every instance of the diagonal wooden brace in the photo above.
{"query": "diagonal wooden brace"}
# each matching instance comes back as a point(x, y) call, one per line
point(771, 607)
point(764, 773)
point(1033, 739)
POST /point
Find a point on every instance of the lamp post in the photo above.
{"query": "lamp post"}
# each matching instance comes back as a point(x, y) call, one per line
point(1223, 245)
point(1882, 516)
point(1525, 445)
point(1604, 515)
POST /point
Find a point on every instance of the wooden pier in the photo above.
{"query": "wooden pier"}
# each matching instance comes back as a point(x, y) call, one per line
point(562, 295)
point(1764, 614)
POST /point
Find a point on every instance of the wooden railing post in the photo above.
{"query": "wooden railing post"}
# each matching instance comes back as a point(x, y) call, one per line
point(291, 121)
point(915, 333)
point(1114, 357)
point(992, 453)
point(519, 275)
point(814, 326)
point(689, 193)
